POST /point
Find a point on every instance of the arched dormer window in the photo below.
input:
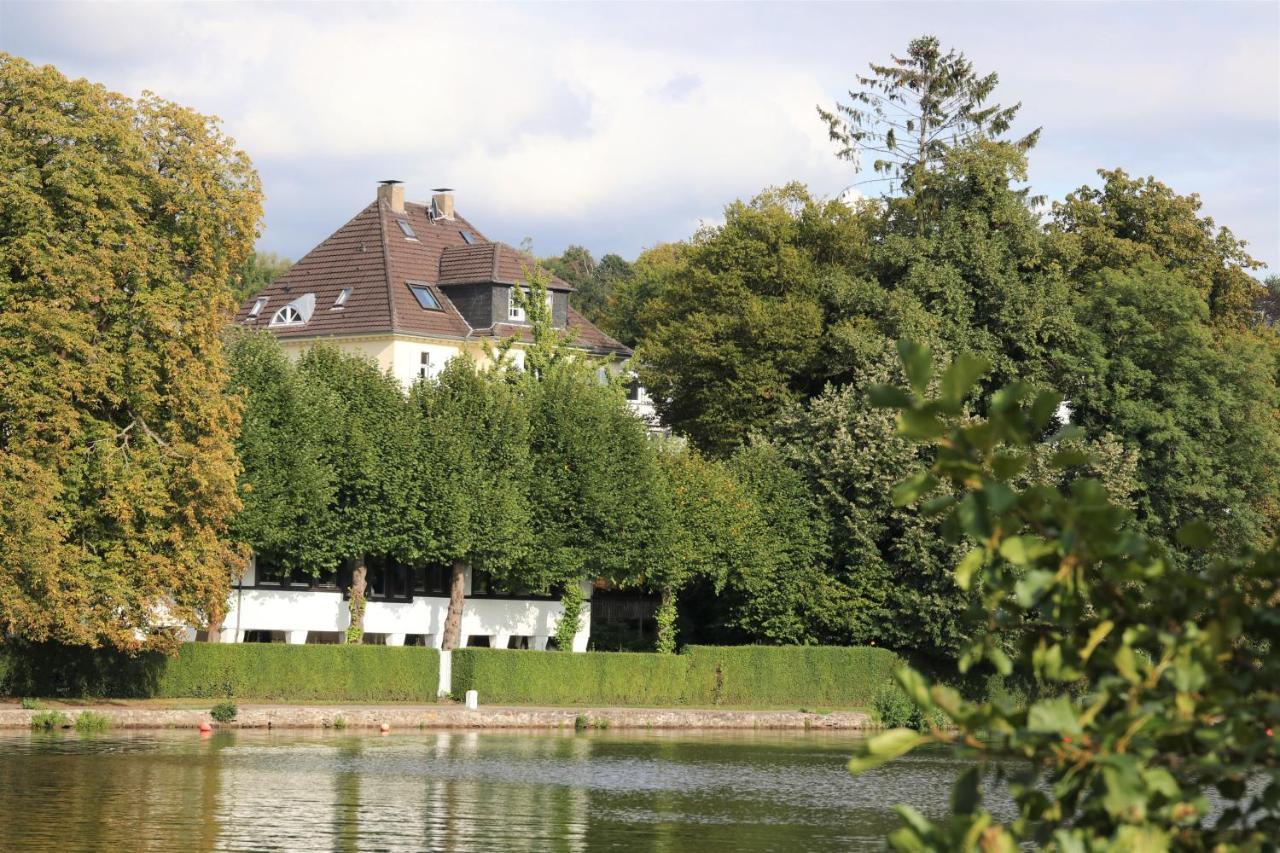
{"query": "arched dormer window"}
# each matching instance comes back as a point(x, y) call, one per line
point(287, 316)
point(296, 312)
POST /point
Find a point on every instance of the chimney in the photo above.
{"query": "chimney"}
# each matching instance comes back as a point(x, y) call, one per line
point(442, 202)
point(392, 192)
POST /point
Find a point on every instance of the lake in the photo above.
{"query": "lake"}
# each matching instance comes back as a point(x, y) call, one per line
point(484, 791)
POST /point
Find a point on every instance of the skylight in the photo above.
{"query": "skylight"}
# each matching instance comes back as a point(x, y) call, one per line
point(341, 301)
point(425, 297)
point(406, 229)
point(468, 237)
point(258, 305)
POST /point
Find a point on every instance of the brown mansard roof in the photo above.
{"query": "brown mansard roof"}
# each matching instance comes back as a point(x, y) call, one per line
point(373, 258)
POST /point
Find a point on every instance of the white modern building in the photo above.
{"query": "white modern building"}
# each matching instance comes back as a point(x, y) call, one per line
point(410, 286)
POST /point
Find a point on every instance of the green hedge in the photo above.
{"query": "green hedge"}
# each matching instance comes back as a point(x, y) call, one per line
point(702, 676)
point(249, 671)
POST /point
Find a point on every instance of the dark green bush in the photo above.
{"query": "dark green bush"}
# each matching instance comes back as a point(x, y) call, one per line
point(271, 672)
point(224, 712)
point(91, 721)
point(702, 676)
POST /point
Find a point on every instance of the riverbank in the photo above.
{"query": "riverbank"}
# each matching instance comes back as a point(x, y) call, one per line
point(127, 716)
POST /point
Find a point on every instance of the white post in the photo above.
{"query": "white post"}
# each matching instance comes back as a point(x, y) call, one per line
point(446, 674)
point(296, 638)
point(473, 700)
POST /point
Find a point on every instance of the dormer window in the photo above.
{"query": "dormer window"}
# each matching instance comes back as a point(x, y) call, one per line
point(406, 229)
point(341, 301)
point(287, 316)
point(516, 314)
point(258, 305)
point(425, 297)
point(296, 312)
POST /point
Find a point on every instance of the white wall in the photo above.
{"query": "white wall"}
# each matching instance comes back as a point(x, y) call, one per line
point(298, 611)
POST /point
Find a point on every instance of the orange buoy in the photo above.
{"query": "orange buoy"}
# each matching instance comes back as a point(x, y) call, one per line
point(205, 728)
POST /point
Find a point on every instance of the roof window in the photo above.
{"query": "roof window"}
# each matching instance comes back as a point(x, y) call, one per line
point(425, 297)
point(296, 312)
point(258, 305)
point(468, 237)
point(287, 316)
point(341, 301)
point(406, 229)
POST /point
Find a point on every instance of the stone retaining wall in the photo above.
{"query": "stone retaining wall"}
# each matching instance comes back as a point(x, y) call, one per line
point(454, 717)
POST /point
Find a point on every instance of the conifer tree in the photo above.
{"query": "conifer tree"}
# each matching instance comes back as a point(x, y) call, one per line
point(909, 113)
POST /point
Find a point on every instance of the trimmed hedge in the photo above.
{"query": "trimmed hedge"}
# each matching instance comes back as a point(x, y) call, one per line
point(259, 671)
point(701, 676)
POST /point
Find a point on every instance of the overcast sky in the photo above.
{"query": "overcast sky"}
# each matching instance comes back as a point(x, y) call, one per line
point(619, 126)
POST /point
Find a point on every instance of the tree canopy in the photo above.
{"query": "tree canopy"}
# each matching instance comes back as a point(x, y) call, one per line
point(120, 223)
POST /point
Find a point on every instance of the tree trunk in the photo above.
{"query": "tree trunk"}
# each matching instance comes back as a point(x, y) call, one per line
point(355, 633)
point(453, 621)
point(213, 633)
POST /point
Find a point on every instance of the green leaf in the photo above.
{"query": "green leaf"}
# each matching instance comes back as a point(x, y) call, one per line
point(908, 491)
point(917, 363)
point(1196, 534)
point(1069, 458)
point(960, 377)
point(885, 746)
point(972, 561)
point(1053, 716)
point(966, 794)
point(889, 397)
point(913, 684)
point(1021, 550)
point(919, 425)
point(1029, 587)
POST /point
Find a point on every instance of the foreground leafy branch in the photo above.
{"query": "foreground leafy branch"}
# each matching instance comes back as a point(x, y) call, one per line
point(1155, 690)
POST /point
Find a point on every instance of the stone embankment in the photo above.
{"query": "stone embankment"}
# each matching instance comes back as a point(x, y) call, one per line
point(452, 717)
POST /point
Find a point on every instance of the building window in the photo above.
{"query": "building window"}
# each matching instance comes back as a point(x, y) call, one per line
point(258, 305)
point(516, 314)
point(406, 229)
point(424, 365)
point(426, 299)
point(341, 301)
point(287, 316)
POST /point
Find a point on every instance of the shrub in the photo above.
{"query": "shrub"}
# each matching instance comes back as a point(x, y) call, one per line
point(91, 721)
point(270, 672)
point(893, 709)
point(702, 676)
point(339, 722)
point(49, 720)
point(30, 704)
point(224, 712)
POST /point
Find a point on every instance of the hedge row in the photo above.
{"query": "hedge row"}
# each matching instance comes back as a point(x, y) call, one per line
point(701, 676)
point(273, 672)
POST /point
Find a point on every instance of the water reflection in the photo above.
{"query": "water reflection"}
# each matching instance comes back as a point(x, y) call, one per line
point(455, 791)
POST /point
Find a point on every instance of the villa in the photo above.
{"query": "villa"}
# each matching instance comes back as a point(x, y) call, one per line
point(410, 286)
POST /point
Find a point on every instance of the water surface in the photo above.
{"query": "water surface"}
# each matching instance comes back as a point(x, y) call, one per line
point(483, 791)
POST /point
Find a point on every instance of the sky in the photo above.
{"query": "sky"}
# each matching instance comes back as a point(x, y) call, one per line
point(619, 126)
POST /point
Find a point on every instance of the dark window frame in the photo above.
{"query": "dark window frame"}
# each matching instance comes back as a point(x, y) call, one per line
point(418, 289)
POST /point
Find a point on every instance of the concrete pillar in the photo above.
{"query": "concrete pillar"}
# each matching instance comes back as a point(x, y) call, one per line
point(540, 643)
point(445, 687)
point(395, 639)
point(296, 638)
point(239, 637)
point(501, 640)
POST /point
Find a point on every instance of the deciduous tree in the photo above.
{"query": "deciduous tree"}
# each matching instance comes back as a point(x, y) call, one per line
point(120, 224)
